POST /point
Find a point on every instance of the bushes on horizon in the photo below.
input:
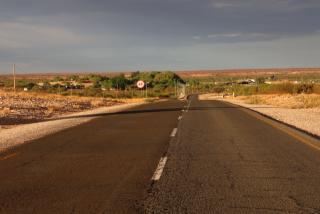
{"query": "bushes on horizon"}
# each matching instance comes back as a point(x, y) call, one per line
point(285, 88)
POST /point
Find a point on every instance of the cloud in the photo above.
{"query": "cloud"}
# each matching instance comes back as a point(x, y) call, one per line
point(117, 34)
point(222, 5)
point(275, 5)
point(237, 37)
point(225, 35)
point(26, 35)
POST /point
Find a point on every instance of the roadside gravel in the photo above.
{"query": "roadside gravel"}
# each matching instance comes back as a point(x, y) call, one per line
point(305, 119)
point(23, 133)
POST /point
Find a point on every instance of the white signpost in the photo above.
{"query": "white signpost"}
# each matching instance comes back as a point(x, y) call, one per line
point(140, 84)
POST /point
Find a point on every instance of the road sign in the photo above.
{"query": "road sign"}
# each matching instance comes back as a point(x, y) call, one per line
point(140, 84)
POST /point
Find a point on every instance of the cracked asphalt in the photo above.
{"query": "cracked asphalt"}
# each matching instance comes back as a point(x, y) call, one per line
point(222, 159)
point(226, 161)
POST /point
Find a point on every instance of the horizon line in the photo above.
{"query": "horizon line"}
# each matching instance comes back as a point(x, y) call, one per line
point(164, 70)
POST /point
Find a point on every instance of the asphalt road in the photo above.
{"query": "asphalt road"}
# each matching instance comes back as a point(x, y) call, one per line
point(220, 159)
point(225, 160)
point(103, 166)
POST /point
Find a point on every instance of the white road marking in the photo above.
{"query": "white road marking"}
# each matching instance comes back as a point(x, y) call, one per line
point(180, 117)
point(157, 174)
point(174, 132)
point(188, 106)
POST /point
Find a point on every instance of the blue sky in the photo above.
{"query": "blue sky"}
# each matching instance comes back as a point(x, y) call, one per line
point(108, 35)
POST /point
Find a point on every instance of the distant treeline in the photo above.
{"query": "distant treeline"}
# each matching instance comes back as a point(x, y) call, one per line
point(158, 83)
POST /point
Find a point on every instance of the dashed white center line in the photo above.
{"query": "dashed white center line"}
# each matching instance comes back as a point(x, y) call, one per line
point(188, 107)
point(157, 174)
point(174, 132)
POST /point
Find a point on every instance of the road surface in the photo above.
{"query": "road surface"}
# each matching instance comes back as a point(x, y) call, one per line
point(211, 158)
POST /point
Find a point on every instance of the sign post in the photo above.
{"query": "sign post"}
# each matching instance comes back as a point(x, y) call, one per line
point(140, 84)
point(147, 89)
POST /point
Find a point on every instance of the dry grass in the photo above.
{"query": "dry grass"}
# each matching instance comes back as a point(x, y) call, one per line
point(285, 100)
point(94, 101)
point(51, 109)
point(298, 101)
point(4, 112)
point(255, 100)
point(25, 107)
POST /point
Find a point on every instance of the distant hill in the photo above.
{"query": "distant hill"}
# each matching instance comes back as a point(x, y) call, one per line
point(183, 74)
point(245, 72)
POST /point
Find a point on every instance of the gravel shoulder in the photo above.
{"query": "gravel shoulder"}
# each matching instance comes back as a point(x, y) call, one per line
point(305, 119)
point(22, 133)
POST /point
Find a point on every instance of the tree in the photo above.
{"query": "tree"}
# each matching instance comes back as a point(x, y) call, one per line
point(135, 76)
point(107, 84)
point(119, 82)
point(147, 76)
point(166, 79)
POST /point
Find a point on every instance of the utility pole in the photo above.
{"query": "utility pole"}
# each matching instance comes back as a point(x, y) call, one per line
point(14, 77)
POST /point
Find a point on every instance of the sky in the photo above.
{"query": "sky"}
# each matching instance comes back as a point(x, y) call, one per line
point(119, 35)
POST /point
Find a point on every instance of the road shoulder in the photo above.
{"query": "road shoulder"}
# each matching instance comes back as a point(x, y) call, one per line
point(298, 123)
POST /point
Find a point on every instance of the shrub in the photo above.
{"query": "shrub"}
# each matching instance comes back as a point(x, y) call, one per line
point(303, 88)
point(119, 82)
point(218, 89)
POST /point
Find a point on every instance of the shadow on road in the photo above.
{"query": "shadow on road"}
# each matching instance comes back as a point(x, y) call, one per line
point(150, 111)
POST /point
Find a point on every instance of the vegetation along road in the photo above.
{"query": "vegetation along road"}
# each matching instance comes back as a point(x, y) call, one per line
point(168, 157)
